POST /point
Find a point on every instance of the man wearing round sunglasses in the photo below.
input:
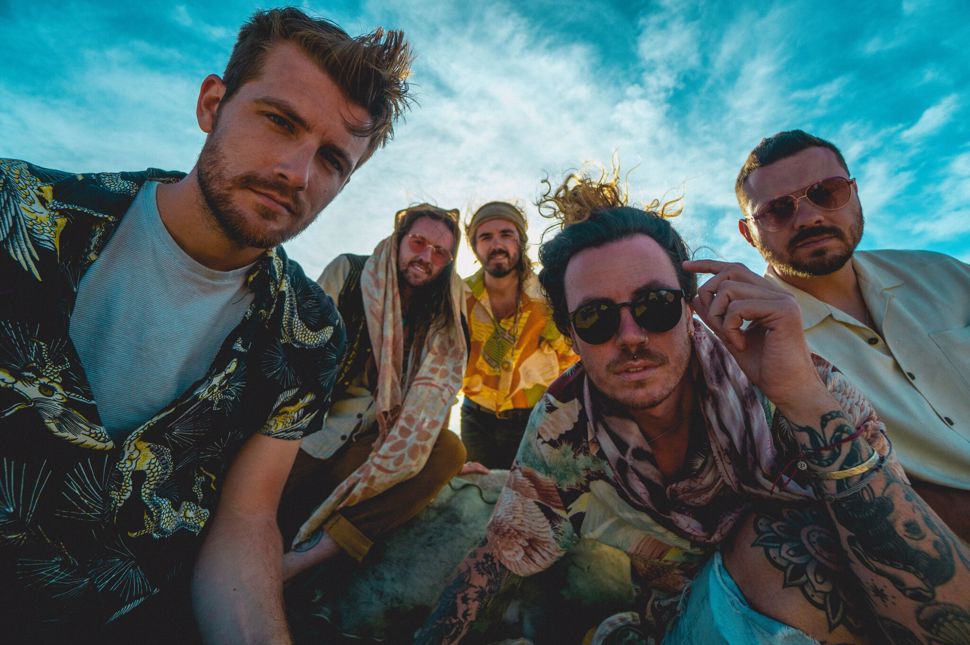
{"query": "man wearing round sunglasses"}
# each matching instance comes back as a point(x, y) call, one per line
point(384, 452)
point(724, 456)
point(515, 351)
point(896, 322)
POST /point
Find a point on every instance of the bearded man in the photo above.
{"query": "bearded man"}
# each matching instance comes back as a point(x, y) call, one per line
point(385, 450)
point(161, 358)
point(896, 322)
point(516, 350)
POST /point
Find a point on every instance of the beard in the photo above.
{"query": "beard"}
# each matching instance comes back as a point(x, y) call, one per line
point(217, 189)
point(820, 262)
point(500, 271)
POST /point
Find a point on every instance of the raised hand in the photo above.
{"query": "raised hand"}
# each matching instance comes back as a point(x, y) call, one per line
point(761, 326)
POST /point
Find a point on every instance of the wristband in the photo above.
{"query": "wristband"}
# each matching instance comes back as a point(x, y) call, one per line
point(868, 464)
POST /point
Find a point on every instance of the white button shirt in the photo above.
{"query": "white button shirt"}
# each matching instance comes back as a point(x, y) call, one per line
point(917, 373)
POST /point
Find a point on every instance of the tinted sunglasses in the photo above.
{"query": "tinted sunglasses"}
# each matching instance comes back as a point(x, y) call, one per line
point(828, 194)
point(440, 256)
point(656, 311)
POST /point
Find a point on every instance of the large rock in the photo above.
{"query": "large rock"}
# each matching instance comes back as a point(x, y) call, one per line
point(388, 597)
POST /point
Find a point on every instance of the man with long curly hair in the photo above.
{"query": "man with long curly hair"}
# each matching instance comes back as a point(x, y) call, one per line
point(161, 358)
point(385, 450)
point(753, 487)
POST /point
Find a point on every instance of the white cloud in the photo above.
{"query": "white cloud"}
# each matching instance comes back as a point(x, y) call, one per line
point(932, 119)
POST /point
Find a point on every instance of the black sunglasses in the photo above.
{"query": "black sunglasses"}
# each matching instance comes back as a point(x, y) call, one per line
point(656, 310)
point(828, 194)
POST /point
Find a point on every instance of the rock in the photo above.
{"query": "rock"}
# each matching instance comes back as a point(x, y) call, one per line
point(389, 596)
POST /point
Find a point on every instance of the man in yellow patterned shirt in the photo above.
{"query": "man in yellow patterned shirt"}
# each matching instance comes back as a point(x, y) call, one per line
point(516, 350)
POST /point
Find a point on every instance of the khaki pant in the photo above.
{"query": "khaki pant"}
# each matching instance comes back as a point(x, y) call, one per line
point(355, 528)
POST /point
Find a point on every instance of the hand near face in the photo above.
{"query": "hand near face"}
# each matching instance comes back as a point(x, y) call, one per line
point(771, 347)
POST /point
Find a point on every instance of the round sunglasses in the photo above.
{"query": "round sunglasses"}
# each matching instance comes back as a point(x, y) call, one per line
point(440, 256)
point(656, 310)
point(827, 194)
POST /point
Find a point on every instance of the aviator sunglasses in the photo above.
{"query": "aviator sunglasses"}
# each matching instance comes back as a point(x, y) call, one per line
point(656, 310)
point(440, 256)
point(827, 194)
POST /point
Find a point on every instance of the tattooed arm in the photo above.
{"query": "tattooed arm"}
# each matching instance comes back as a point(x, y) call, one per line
point(476, 583)
point(914, 571)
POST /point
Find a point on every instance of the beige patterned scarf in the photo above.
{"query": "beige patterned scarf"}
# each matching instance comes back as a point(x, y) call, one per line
point(410, 412)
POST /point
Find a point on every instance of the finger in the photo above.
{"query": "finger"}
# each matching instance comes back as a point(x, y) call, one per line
point(704, 266)
point(731, 291)
point(473, 467)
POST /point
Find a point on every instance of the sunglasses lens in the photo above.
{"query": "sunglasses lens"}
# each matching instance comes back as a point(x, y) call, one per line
point(417, 243)
point(597, 322)
point(778, 211)
point(829, 193)
point(658, 311)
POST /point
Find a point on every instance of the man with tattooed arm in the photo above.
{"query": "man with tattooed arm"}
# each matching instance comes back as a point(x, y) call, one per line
point(896, 322)
point(752, 486)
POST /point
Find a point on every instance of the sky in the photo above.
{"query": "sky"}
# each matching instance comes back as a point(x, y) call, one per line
point(509, 93)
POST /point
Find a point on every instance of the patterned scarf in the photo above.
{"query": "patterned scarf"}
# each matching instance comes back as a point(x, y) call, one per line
point(410, 414)
point(740, 458)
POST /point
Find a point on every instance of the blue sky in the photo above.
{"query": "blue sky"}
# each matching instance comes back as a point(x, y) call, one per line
point(509, 92)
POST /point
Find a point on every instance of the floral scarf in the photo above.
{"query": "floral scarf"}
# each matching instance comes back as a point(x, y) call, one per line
point(740, 458)
point(410, 413)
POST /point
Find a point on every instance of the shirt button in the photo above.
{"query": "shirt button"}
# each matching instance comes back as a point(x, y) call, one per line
point(343, 437)
point(911, 376)
point(873, 341)
point(360, 415)
point(948, 420)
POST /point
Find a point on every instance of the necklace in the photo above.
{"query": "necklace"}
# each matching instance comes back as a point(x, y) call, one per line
point(501, 341)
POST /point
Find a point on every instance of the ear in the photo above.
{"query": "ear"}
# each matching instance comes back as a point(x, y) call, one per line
point(745, 231)
point(210, 98)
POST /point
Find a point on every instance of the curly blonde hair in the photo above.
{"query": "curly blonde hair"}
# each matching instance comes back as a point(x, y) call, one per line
point(592, 212)
point(580, 195)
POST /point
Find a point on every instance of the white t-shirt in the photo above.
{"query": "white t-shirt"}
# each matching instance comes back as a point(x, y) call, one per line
point(149, 320)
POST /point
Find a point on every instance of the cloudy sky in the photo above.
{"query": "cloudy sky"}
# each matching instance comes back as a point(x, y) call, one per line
point(510, 92)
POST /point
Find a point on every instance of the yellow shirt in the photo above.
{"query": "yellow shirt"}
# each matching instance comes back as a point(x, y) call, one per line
point(917, 373)
point(512, 361)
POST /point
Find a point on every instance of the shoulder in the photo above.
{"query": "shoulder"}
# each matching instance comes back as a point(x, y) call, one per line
point(309, 309)
point(903, 260)
point(340, 269)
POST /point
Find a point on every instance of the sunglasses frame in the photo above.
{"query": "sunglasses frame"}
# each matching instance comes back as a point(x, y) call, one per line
point(759, 217)
point(679, 297)
point(436, 250)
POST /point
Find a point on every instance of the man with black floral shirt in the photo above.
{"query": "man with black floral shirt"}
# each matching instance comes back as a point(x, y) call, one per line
point(160, 357)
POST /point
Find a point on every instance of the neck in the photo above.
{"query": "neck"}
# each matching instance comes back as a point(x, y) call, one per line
point(192, 225)
point(839, 289)
point(505, 286)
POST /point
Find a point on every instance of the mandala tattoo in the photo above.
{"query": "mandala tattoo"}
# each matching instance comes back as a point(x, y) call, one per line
point(800, 543)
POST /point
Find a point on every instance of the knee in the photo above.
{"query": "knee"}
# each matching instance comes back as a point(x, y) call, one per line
point(447, 456)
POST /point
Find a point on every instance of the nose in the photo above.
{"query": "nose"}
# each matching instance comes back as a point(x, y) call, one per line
point(806, 213)
point(295, 165)
point(629, 334)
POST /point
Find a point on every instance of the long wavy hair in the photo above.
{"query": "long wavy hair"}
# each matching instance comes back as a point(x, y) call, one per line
point(435, 298)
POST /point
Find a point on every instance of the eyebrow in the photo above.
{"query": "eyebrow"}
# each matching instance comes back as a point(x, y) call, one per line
point(290, 113)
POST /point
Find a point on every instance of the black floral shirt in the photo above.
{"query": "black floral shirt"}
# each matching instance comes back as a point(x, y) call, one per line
point(89, 528)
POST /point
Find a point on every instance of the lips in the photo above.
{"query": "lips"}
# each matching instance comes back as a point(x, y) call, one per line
point(276, 200)
point(813, 236)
